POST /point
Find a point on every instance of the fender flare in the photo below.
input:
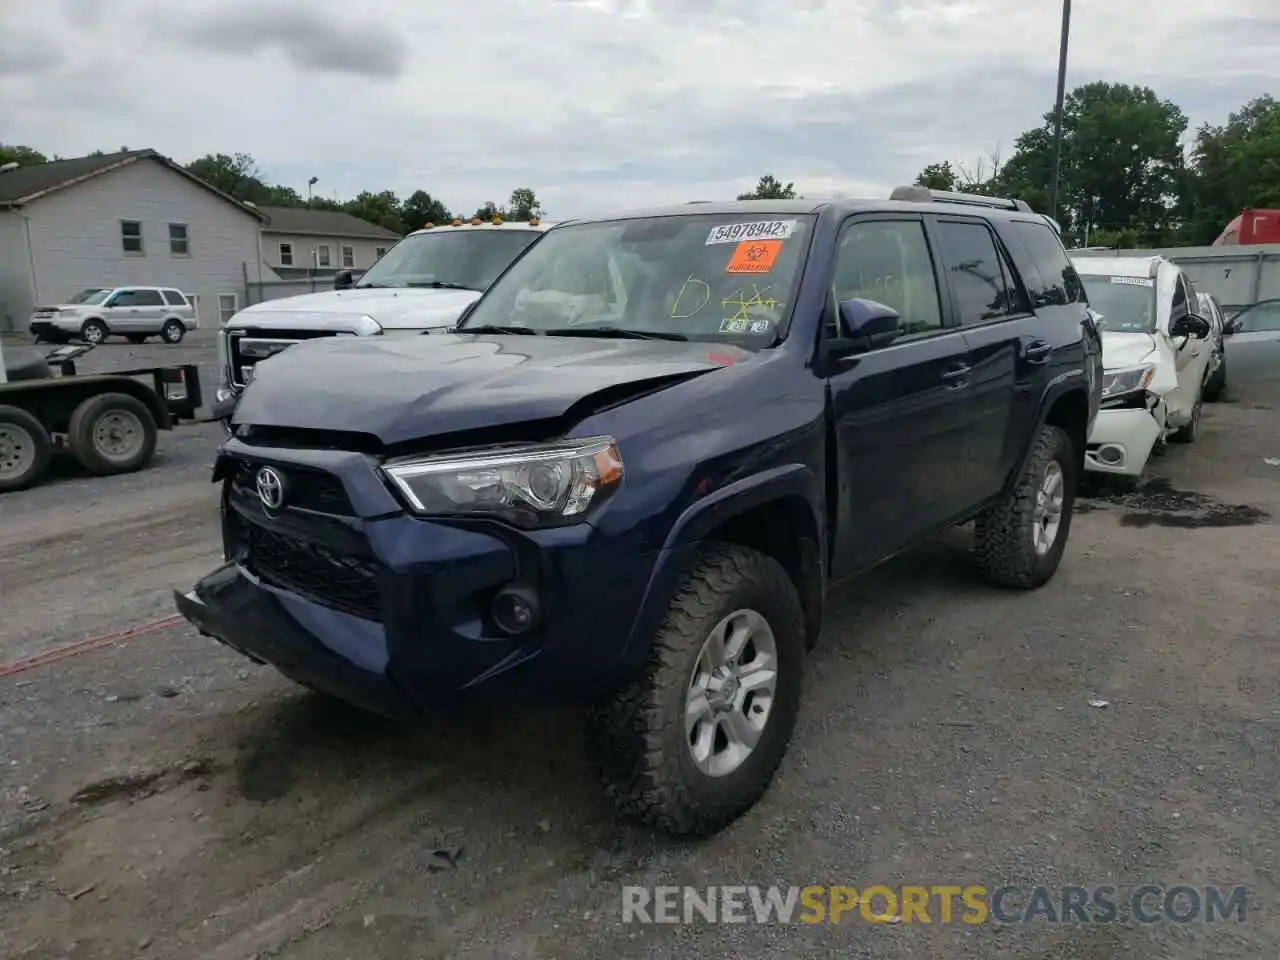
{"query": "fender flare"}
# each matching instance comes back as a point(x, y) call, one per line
point(696, 521)
point(1073, 381)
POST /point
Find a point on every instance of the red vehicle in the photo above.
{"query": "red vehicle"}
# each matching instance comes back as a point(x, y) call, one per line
point(1252, 226)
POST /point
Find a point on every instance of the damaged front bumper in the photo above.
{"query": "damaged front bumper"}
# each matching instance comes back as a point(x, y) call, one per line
point(1123, 437)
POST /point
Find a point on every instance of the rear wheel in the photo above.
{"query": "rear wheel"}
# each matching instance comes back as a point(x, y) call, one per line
point(112, 433)
point(695, 742)
point(173, 331)
point(94, 331)
point(26, 451)
point(1019, 542)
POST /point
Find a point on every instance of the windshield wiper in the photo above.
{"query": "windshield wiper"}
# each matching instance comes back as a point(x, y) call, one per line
point(443, 285)
point(493, 328)
point(618, 333)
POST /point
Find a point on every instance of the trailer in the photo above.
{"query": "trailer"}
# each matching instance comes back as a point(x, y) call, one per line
point(109, 422)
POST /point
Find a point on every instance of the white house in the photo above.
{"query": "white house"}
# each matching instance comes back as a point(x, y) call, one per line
point(132, 217)
point(299, 242)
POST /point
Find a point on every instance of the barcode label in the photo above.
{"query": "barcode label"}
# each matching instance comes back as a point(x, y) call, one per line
point(756, 230)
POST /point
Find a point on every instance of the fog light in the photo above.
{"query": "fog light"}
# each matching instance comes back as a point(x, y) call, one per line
point(515, 610)
point(1111, 454)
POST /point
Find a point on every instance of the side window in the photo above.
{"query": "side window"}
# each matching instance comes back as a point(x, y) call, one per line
point(175, 299)
point(123, 298)
point(147, 298)
point(1061, 282)
point(976, 272)
point(888, 261)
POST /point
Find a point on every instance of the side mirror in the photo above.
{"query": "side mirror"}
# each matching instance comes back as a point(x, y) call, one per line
point(867, 324)
point(1191, 326)
point(342, 280)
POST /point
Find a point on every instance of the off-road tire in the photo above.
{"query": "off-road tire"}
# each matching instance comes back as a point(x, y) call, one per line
point(84, 420)
point(87, 332)
point(40, 452)
point(636, 740)
point(173, 331)
point(1189, 431)
point(1003, 544)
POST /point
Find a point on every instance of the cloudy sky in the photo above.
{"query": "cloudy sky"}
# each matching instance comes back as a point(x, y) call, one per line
point(597, 103)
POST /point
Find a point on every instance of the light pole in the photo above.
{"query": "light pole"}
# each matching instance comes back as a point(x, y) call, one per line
point(311, 183)
point(1057, 110)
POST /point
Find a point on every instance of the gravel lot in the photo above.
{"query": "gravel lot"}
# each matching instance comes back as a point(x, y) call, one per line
point(160, 797)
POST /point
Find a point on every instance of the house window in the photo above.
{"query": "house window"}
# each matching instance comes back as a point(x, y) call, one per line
point(179, 245)
point(322, 255)
point(380, 253)
point(286, 254)
point(348, 256)
point(194, 300)
point(228, 303)
point(131, 237)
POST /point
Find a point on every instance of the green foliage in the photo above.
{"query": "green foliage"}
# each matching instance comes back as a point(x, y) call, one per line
point(1124, 174)
point(769, 188)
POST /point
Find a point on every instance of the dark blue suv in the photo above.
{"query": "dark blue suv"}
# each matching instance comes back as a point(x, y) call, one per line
point(632, 472)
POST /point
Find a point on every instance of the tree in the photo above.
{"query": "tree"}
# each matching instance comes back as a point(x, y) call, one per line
point(488, 211)
point(421, 208)
point(523, 204)
point(236, 175)
point(938, 176)
point(1122, 164)
point(1233, 167)
point(380, 208)
point(769, 188)
point(22, 156)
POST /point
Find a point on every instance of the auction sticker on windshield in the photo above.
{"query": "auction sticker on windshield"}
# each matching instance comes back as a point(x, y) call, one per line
point(756, 230)
point(754, 256)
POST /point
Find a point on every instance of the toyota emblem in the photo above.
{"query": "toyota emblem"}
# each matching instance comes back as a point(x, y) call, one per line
point(270, 488)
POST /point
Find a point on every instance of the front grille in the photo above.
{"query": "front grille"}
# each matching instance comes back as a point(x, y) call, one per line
point(308, 489)
point(242, 365)
point(331, 578)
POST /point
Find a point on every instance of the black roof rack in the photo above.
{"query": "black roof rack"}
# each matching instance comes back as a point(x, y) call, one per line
point(915, 194)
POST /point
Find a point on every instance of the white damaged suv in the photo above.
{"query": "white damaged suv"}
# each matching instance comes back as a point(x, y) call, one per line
point(421, 285)
point(1156, 358)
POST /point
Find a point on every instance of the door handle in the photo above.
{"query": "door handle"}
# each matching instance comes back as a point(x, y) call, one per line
point(956, 376)
point(1038, 351)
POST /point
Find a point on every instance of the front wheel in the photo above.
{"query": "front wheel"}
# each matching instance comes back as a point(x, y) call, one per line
point(693, 743)
point(1019, 542)
point(93, 331)
point(1191, 429)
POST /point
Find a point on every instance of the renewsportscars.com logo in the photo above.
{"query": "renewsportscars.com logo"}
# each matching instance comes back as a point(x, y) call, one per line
point(938, 903)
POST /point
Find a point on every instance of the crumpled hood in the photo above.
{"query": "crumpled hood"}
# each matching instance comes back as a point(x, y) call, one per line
point(411, 308)
point(1126, 349)
point(404, 389)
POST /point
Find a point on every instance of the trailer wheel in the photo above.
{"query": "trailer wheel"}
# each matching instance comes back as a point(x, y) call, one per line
point(25, 450)
point(112, 433)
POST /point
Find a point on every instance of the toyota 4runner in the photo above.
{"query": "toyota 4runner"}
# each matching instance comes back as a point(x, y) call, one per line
point(632, 472)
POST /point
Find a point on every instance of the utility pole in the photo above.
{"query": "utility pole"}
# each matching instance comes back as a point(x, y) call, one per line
point(311, 183)
point(1057, 110)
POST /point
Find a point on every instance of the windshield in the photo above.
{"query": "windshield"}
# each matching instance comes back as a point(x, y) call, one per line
point(1260, 317)
point(1124, 304)
point(695, 276)
point(467, 257)
point(92, 295)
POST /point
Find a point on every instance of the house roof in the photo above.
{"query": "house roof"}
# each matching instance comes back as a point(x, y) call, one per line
point(323, 223)
point(29, 183)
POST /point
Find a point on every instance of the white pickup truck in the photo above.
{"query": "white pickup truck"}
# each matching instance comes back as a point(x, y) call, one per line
point(421, 284)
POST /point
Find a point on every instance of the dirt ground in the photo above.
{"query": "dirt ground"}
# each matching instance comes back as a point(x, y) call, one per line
point(161, 797)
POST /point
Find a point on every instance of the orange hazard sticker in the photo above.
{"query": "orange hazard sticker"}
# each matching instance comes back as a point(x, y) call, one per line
point(754, 256)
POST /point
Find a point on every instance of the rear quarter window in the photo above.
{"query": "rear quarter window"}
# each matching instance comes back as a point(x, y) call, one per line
point(174, 298)
point(1059, 283)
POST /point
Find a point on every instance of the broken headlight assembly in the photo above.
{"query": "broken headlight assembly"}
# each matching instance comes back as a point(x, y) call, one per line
point(535, 485)
point(1127, 382)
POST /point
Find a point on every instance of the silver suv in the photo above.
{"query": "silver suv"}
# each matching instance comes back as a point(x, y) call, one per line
point(132, 312)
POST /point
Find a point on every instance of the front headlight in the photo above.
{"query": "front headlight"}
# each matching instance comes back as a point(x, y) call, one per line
point(1118, 382)
point(544, 484)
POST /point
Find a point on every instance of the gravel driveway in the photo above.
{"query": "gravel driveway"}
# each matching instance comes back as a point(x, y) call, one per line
point(161, 797)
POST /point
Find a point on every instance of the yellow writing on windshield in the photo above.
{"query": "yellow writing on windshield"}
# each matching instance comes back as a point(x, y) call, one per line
point(743, 301)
